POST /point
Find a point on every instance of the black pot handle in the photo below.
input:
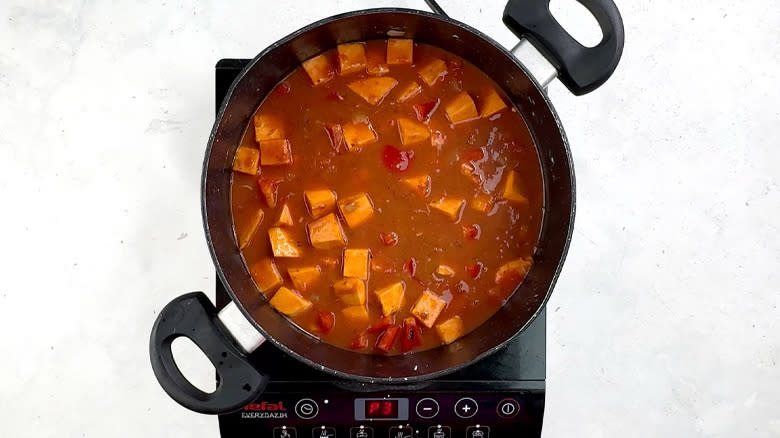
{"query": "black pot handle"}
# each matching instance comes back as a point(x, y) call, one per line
point(193, 316)
point(582, 69)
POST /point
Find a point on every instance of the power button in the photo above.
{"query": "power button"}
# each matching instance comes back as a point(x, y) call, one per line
point(508, 408)
point(306, 408)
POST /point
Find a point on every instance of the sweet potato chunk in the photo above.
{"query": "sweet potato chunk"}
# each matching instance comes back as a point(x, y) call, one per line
point(356, 263)
point(512, 190)
point(246, 160)
point(445, 271)
point(268, 187)
point(283, 244)
point(304, 277)
point(452, 207)
point(265, 275)
point(482, 202)
point(375, 62)
point(461, 109)
point(275, 152)
point(285, 217)
point(467, 170)
point(420, 184)
point(356, 209)
point(351, 291)
point(319, 202)
point(248, 233)
point(490, 103)
point(408, 91)
point(352, 57)
point(267, 127)
point(289, 302)
point(391, 297)
point(428, 307)
point(358, 135)
point(320, 69)
point(433, 71)
point(373, 90)
point(450, 330)
point(326, 232)
point(399, 51)
point(357, 316)
point(411, 131)
point(512, 273)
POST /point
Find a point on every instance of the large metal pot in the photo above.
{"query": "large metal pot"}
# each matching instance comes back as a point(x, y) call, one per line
point(226, 338)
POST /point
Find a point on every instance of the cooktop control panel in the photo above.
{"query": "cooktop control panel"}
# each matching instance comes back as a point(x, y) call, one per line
point(397, 414)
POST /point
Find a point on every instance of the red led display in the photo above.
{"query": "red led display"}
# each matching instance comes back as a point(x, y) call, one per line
point(381, 408)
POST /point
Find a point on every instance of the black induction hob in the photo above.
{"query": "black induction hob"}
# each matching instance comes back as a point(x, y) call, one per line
point(500, 396)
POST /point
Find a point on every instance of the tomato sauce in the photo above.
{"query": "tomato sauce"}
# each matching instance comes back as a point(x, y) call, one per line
point(429, 195)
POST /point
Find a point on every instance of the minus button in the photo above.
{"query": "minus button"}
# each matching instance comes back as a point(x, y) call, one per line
point(427, 408)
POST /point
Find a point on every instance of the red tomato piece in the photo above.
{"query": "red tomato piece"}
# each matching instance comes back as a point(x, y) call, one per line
point(411, 335)
point(475, 270)
point(411, 266)
point(471, 232)
point(396, 159)
point(381, 324)
point(282, 89)
point(389, 239)
point(326, 321)
point(424, 111)
point(385, 341)
point(474, 155)
point(360, 342)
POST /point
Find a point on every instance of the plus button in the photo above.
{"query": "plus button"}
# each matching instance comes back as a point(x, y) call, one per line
point(466, 407)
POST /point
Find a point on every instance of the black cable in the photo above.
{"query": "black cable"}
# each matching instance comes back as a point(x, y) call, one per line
point(435, 7)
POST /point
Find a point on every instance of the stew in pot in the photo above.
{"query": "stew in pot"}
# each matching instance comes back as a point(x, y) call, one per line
point(386, 198)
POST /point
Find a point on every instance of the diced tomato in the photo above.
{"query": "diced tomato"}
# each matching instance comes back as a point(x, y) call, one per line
point(471, 232)
point(381, 324)
point(425, 110)
point(475, 270)
point(396, 159)
point(282, 89)
point(411, 335)
point(411, 267)
point(326, 321)
point(389, 239)
point(335, 96)
point(385, 341)
point(474, 155)
point(360, 342)
point(336, 136)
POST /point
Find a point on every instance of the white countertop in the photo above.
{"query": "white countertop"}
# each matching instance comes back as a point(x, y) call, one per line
point(664, 322)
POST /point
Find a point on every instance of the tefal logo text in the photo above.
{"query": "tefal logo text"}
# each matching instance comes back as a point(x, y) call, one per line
point(265, 406)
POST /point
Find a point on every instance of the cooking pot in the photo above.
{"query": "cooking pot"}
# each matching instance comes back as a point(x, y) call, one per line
point(228, 336)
